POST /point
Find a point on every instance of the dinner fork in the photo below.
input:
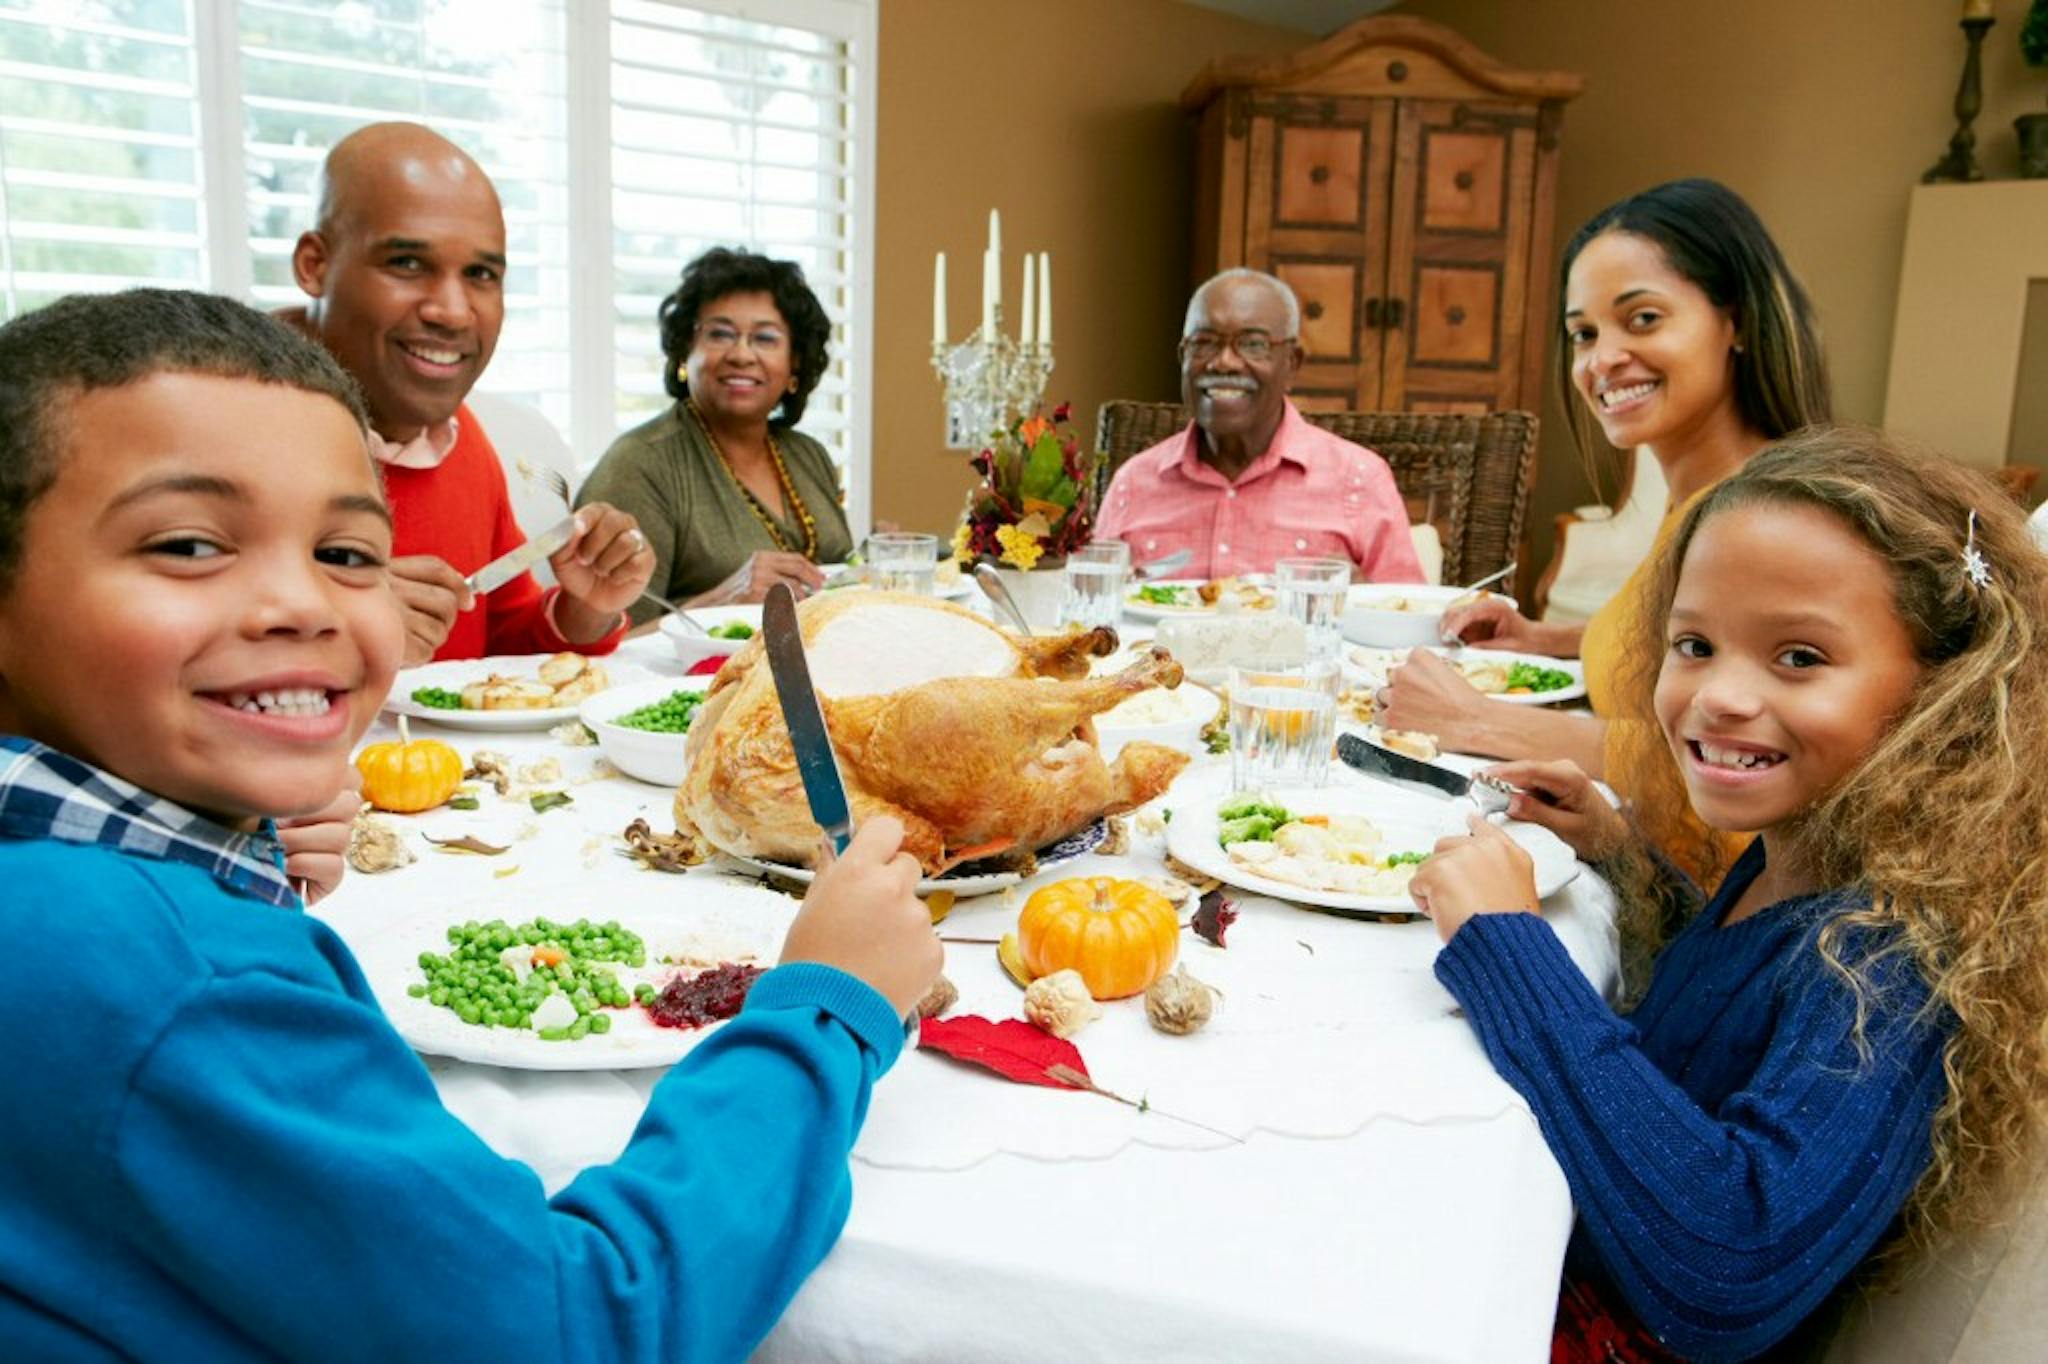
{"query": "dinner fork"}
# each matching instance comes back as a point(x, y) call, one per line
point(559, 486)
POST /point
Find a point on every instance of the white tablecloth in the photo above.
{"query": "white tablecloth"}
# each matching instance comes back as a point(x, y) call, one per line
point(1373, 1189)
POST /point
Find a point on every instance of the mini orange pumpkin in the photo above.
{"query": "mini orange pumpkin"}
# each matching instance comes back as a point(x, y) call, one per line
point(410, 775)
point(1120, 935)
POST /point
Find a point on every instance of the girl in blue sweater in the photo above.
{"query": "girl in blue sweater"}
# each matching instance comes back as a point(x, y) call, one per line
point(1841, 1053)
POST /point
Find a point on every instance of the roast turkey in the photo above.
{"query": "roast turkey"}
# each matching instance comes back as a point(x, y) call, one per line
point(978, 740)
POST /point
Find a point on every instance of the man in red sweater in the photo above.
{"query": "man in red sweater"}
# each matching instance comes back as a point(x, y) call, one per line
point(405, 268)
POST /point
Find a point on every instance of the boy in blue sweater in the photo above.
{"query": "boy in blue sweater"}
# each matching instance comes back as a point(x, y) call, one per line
point(215, 1145)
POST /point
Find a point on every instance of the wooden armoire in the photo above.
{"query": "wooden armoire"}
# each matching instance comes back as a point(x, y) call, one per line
point(1401, 181)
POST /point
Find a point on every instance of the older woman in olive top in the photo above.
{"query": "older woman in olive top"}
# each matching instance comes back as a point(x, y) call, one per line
point(732, 498)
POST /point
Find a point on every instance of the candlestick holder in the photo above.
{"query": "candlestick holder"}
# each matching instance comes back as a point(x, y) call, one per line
point(1960, 161)
point(990, 380)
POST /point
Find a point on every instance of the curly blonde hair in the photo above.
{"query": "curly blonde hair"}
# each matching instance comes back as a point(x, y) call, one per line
point(1943, 827)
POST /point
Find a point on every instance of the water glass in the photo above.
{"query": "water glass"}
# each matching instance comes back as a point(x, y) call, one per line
point(1096, 575)
point(1314, 591)
point(903, 562)
point(1283, 723)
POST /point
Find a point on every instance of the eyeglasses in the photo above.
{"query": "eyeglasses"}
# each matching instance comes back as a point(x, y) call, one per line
point(718, 336)
point(1254, 348)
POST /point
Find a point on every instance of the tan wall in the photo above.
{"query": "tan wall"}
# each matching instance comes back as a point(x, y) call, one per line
point(1062, 113)
point(1822, 113)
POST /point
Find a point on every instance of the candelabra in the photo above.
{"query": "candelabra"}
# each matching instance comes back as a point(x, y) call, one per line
point(1960, 161)
point(990, 380)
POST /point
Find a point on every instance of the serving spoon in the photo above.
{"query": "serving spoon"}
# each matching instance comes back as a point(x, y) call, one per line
point(998, 592)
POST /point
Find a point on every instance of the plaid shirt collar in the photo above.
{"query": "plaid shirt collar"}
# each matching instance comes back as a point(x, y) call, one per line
point(47, 794)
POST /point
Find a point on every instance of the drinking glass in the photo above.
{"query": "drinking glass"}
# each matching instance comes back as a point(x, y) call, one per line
point(1096, 575)
point(903, 562)
point(1283, 723)
point(1313, 591)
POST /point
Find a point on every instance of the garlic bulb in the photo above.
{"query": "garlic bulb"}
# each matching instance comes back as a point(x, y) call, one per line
point(374, 845)
point(1178, 1003)
point(1060, 1003)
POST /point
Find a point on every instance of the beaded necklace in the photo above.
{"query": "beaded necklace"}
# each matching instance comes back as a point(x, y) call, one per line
point(789, 493)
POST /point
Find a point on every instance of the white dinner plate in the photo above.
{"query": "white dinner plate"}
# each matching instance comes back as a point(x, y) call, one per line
point(456, 673)
point(959, 588)
point(699, 912)
point(1139, 609)
point(1372, 666)
point(962, 880)
point(1409, 823)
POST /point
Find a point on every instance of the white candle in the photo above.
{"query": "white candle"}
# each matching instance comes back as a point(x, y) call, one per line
point(988, 294)
point(1026, 330)
point(1045, 298)
point(995, 235)
point(939, 299)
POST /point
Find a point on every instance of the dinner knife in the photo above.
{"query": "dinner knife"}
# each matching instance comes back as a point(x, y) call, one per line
point(815, 760)
point(1159, 568)
point(1412, 774)
point(506, 567)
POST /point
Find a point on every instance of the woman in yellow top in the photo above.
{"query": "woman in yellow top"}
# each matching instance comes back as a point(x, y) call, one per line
point(1684, 332)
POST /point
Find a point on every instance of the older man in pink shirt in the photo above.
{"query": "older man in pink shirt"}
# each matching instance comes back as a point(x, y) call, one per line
point(1250, 481)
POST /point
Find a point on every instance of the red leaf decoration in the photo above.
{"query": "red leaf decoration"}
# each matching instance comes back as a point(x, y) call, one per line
point(1214, 916)
point(1012, 1048)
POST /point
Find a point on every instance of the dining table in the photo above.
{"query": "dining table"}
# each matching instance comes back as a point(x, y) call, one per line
point(1331, 1169)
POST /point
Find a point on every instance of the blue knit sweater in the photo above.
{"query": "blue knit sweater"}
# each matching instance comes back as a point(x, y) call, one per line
point(1732, 1154)
point(214, 1147)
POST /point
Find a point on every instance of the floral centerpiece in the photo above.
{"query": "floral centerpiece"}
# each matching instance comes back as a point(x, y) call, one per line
point(1036, 501)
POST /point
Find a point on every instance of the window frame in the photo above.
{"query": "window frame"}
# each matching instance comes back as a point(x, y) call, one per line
point(227, 263)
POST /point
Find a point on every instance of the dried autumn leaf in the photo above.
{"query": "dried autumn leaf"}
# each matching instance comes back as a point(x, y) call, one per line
point(543, 801)
point(465, 844)
point(1012, 958)
point(1011, 1048)
point(940, 903)
point(1213, 918)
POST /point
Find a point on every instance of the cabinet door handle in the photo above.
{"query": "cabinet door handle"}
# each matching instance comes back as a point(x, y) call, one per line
point(1319, 175)
point(1396, 310)
point(1455, 315)
point(1312, 310)
point(1375, 313)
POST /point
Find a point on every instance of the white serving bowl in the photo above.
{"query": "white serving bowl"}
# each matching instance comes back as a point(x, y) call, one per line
point(1371, 616)
point(1172, 717)
point(639, 753)
point(693, 648)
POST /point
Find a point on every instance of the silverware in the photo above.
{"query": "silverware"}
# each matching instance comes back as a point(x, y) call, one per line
point(506, 567)
point(1490, 578)
point(815, 760)
point(1490, 794)
point(992, 584)
point(1159, 568)
point(669, 608)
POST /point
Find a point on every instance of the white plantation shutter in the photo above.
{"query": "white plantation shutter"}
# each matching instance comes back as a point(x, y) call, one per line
point(729, 128)
point(176, 142)
point(101, 179)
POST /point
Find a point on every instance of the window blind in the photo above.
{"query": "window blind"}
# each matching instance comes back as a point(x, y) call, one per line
point(177, 142)
point(101, 182)
point(729, 131)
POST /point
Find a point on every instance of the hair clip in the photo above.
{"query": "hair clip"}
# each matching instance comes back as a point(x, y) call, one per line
point(1975, 566)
